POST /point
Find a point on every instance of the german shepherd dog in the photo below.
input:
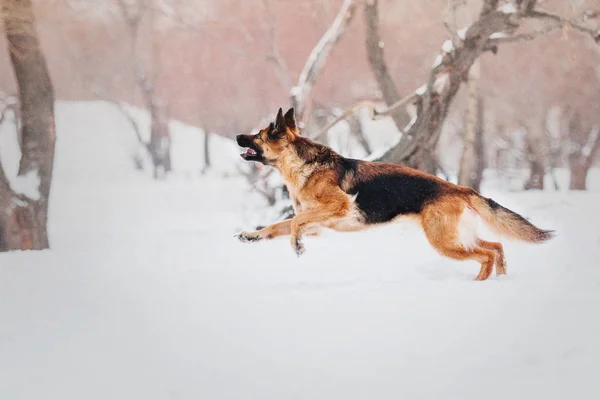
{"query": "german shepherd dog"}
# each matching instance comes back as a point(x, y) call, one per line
point(331, 191)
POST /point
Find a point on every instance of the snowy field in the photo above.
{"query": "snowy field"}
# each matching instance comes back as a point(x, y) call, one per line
point(147, 295)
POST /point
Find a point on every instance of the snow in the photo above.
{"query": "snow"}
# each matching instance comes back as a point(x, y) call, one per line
point(441, 82)
point(438, 60)
point(412, 121)
point(146, 294)
point(587, 149)
point(508, 8)
point(421, 90)
point(498, 35)
point(448, 46)
point(28, 184)
point(462, 33)
point(381, 151)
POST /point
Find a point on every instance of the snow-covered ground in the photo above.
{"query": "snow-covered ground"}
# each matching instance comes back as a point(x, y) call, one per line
point(147, 295)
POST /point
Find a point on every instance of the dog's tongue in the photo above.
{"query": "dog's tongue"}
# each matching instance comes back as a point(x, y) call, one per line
point(249, 152)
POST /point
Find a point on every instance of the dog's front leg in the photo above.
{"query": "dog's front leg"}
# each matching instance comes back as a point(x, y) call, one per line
point(307, 222)
point(277, 229)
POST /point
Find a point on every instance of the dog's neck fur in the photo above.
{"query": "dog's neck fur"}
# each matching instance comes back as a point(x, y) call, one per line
point(293, 169)
point(297, 162)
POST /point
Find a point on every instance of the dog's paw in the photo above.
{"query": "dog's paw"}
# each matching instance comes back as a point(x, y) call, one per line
point(246, 237)
point(299, 248)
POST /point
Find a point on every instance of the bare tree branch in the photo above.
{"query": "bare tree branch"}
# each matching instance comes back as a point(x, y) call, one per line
point(375, 53)
point(374, 112)
point(544, 15)
point(173, 14)
point(316, 60)
point(524, 37)
point(133, 18)
point(281, 70)
point(450, 20)
point(132, 121)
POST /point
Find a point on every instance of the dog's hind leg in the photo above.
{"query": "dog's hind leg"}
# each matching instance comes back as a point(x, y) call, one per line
point(497, 247)
point(441, 223)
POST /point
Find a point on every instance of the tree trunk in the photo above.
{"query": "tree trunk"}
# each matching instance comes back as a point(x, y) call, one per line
point(376, 57)
point(159, 146)
point(423, 160)
point(583, 146)
point(578, 176)
point(537, 170)
point(23, 224)
point(471, 162)
point(356, 130)
point(206, 152)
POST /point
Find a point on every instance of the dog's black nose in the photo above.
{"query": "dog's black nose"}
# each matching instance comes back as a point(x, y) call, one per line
point(238, 138)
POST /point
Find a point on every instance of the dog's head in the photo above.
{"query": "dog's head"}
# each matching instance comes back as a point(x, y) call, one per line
point(268, 144)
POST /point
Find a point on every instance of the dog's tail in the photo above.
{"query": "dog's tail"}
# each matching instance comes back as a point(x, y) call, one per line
point(505, 222)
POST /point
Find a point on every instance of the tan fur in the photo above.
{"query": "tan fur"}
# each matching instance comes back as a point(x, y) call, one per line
point(440, 222)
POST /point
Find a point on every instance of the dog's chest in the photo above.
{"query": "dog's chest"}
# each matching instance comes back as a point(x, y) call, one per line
point(295, 200)
point(295, 181)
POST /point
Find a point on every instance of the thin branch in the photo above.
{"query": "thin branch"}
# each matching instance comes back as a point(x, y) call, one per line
point(407, 143)
point(489, 6)
point(132, 19)
point(348, 112)
point(524, 37)
point(545, 15)
point(374, 112)
point(129, 117)
point(450, 20)
point(281, 70)
point(315, 62)
point(376, 57)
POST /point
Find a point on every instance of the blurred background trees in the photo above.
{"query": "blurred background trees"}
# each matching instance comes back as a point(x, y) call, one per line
point(466, 85)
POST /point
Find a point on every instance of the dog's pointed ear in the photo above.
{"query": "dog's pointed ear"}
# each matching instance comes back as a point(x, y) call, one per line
point(279, 120)
point(290, 119)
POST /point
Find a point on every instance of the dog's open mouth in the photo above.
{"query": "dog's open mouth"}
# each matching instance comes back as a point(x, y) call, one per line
point(249, 153)
point(252, 152)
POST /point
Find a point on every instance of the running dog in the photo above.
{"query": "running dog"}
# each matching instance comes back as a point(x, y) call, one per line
point(331, 191)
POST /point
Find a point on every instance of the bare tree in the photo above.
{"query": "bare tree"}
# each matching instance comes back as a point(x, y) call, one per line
point(300, 93)
point(535, 157)
point(497, 23)
point(356, 130)
point(375, 53)
point(24, 201)
point(472, 162)
point(583, 145)
point(159, 145)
